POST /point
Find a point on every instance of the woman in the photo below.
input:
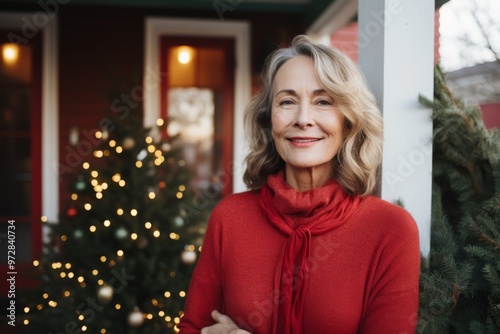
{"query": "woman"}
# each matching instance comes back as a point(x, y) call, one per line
point(308, 249)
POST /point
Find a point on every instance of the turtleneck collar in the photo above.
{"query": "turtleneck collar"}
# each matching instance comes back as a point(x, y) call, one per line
point(299, 208)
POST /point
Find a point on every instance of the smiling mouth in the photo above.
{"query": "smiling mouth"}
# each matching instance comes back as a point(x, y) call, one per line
point(303, 140)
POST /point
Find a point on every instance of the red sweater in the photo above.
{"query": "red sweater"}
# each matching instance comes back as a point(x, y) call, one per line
point(363, 274)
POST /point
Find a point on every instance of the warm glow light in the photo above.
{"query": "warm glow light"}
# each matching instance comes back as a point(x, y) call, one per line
point(156, 233)
point(88, 206)
point(160, 122)
point(149, 139)
point(133, 236)
point(112, 143)
point(182, 294)
point(138, 164)
point(43, 219)
point(67, 293)
point(118, 306)
point(92, 228)
point(119, 212)
point(95, 272)
point(67, 265)
point(147, 225)
point(103, 258)
point(167, 294)
point(10, 53)
point(86, 165)
point(119, 252)
point(107, 223)
point(121, 183)
point(74, 197)
point(36, 263)
point(152, 195)
point(184, 55)
point(133, 212)
point(182, 187)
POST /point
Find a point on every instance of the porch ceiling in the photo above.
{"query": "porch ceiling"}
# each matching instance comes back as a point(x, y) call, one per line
point(310, 10)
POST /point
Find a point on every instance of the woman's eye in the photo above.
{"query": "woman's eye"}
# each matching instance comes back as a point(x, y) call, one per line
point(286, 102)
point(324, 102)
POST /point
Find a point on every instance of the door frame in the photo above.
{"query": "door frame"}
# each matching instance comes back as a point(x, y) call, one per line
point(49, 120)
point(155, 28)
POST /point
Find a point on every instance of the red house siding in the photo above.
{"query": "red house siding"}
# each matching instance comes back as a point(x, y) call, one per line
point(346, 39)
point(491, 115)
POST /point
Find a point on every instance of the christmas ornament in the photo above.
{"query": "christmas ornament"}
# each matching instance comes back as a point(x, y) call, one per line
point(71, 212)
point(80, 185)
point(78, 234)
point(188, 256)
point(165, 147)
point(121, 233)
point(178, 221)
point(128, 143)
point(142, 243)
point(142, 154)
point(105, 294)
point(135, 318)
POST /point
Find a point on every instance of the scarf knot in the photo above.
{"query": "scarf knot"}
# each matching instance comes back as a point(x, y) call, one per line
point(299, 215)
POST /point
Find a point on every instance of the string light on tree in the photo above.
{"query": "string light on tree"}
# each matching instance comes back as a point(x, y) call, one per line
point(123, 218)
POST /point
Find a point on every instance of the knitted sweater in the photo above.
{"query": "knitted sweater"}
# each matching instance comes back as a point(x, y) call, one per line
point(363, 275)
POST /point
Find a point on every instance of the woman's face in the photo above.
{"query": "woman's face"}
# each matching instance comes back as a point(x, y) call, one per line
point(306, 123)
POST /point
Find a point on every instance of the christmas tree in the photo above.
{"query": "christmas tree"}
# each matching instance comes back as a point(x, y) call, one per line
point(460, 282)
point(121, 256)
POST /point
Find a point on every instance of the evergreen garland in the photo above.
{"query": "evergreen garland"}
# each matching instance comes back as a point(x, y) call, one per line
point(460, 282)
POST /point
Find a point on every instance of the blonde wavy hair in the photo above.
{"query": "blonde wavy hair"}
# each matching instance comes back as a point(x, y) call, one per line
point(356, 165)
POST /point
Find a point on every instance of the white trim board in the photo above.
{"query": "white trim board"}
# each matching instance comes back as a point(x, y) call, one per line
point(156, 27)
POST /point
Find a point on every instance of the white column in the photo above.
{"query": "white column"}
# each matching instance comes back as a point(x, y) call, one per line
point(396, 49)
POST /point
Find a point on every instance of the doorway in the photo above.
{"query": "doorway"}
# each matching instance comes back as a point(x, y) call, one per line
point(197, 101)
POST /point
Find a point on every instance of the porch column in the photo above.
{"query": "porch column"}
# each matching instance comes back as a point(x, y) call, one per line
point(396, 49)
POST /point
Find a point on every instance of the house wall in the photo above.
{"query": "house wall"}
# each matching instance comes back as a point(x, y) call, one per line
point(346, 39)
point(491, 115)
point(101, 59)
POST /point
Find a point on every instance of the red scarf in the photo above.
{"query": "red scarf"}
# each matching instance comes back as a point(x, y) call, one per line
point(300, 215)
